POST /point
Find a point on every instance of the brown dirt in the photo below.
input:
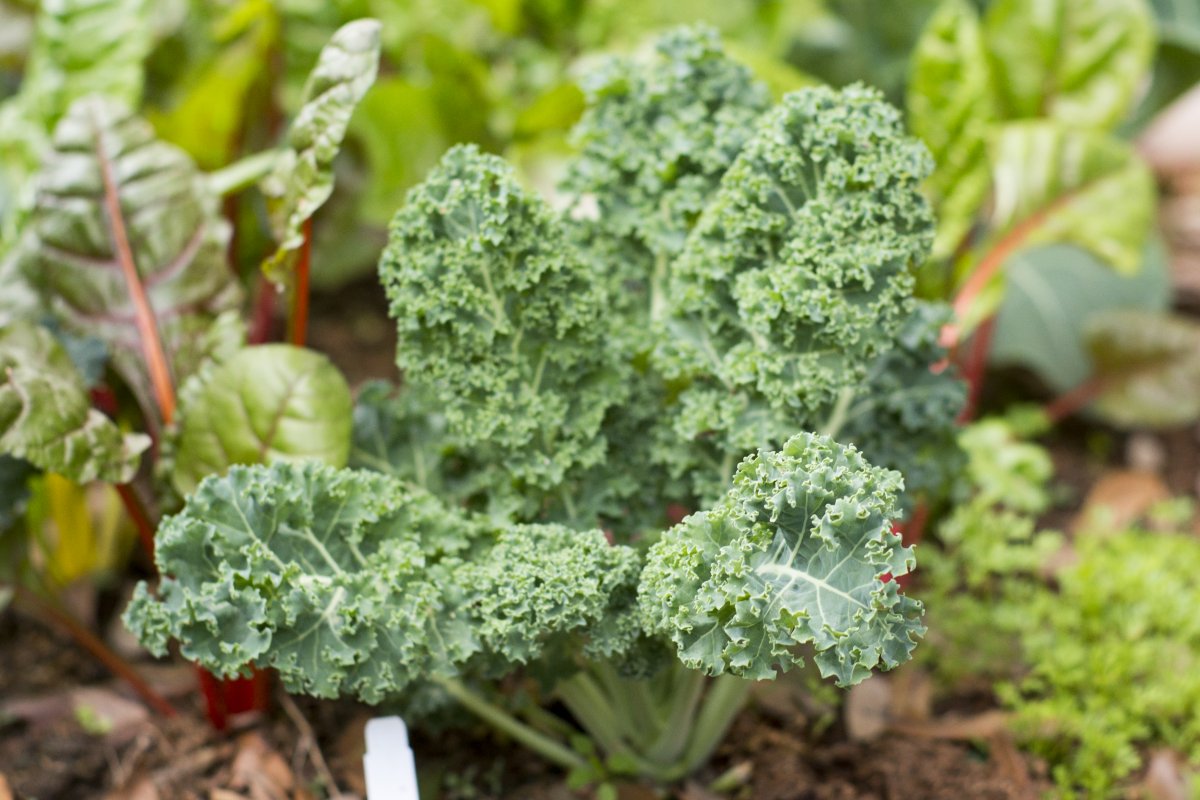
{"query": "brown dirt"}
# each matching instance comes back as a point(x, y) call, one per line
point(49, 755)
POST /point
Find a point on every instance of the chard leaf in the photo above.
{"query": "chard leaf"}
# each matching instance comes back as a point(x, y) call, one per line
point(1079, 62)
point(175, 233)
point(795, 554)
point(266, 403)
point(501, 320)
point(303, 176)
point(951, 108)
point(1148, 366)
point(1075, 187)
point(1053, 292)
point(46, 416)
point(351, 581)
point(84, 47)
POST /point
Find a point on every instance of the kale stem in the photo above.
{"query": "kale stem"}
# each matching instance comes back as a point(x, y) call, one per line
point(726, 698)
point(837, 417)
point(678, 730)
point(539, 743)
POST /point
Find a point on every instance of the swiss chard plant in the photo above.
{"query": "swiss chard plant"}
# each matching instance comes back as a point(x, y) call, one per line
point(720, 326)
point(124, 358)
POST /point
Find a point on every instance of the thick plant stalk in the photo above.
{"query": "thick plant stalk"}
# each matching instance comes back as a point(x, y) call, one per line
point(137, 512)
point(537, 742)
point(147, 324)
point(298, 319)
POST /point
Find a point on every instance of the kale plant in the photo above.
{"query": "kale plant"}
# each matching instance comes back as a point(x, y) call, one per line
point(725, 301)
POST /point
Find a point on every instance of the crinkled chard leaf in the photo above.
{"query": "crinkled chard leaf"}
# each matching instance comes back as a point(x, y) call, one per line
point(951, 107)
point(46, 416)
point(800, 551)
point(1080, 62)
point(1073, 186)
point(303, 177)
point(266, 403)
point(348, 581)
point(84, 47)
point(1148, 366)
point(175, 233)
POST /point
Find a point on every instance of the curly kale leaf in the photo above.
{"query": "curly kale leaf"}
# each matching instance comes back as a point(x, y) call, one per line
point(351, 582)
point(653, 144)
point(501, 319)
point(800, 551)
point(904, 416)
point(798, 273)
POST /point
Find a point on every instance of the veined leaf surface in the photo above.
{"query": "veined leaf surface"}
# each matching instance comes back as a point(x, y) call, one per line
point(176, 236)
point(46, 416)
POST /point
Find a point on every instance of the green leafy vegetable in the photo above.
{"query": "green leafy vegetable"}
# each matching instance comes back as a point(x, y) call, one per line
point(176, 237)
point(303, 177)
point(728, 283)
point(46, 416)
point(262, 404)
point(1051, 294)
point(797, 274)
point(951, 106)
point(1083, 188)
point(653, 145)
point(1076, 62)
point(501, 318)
point(795, 554)
point(1147, 366)
point(350, 581)
point(84, 47)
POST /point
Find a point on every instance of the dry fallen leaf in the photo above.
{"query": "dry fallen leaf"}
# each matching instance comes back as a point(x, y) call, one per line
point(1165, 779)
point(143, 789)
point(979, 726)
point(868, 708)
point(116, 717)
point(1119, 499)
point(225, 794)
point(912, 694)
point(261, 770)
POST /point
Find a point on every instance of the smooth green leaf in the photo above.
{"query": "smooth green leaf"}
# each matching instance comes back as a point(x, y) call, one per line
point(1051, 294)
point(46, 416)
point(951, 108)
point(795, 554)
point(402, 138)
point(1149, 366)
point(262, 404)
point(175, 232)
point(1078, 62)
point(303, 176)
point(1071, 186)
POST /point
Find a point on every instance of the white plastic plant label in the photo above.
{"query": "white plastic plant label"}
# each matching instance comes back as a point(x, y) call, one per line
point(388, 763)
